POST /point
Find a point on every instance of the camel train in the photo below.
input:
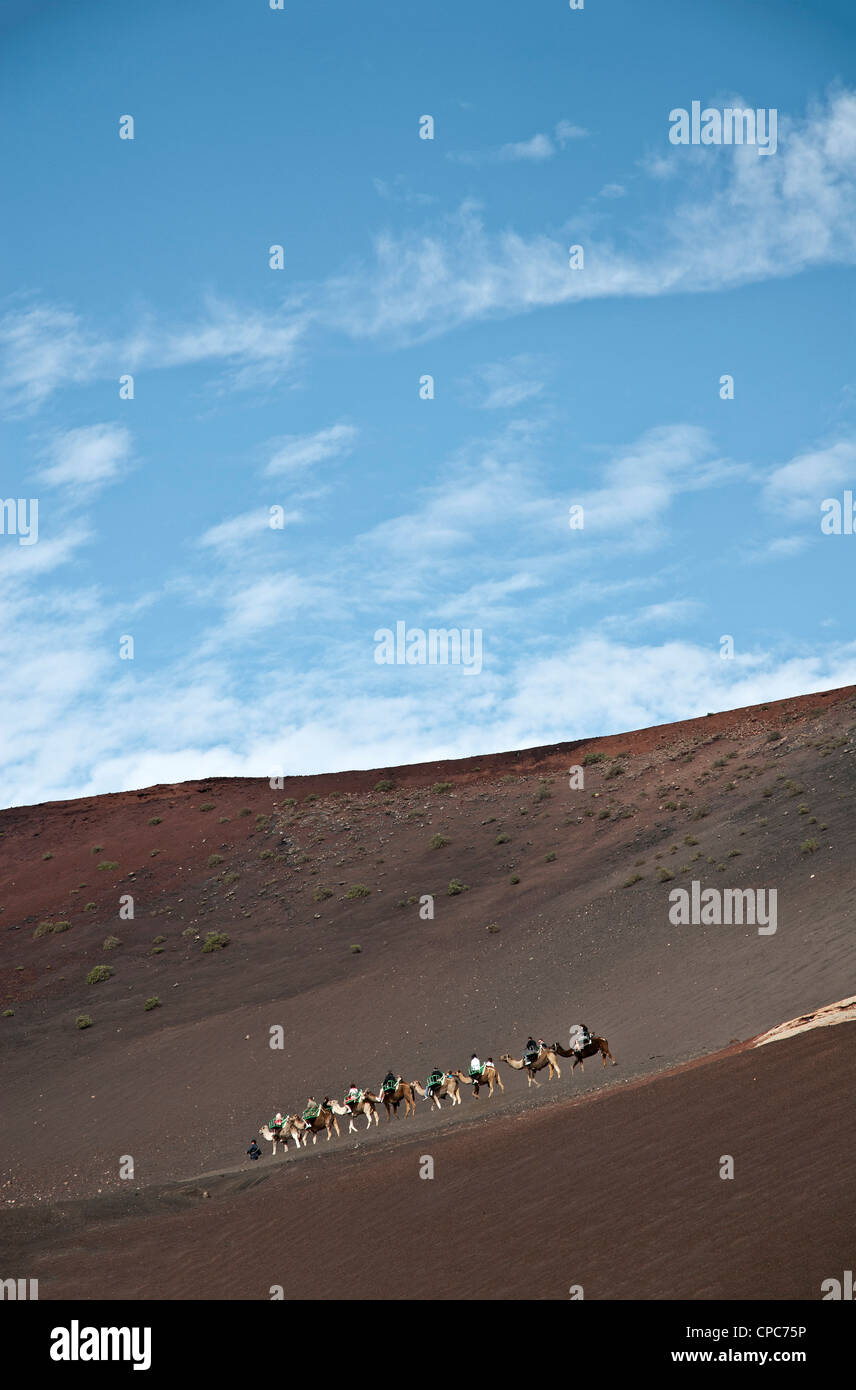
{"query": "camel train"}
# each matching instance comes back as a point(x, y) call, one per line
point(394, 1091)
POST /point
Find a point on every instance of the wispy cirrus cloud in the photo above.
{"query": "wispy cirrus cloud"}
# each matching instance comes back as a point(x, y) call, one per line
point(798, 487)
point(237, 531)
point(536, 150)
point(506, 385)
point(45, 348)
point(296, 453)
point(86, 459)
point(735, 219)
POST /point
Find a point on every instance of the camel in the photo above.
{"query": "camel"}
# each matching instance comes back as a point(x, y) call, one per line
point(325, 1120)
point(403, 1092)
point(291, 1129)
point(367, 1106)
point(546, 1058)
point(597, 1045)
point(490, 1077)
point(449, 1087)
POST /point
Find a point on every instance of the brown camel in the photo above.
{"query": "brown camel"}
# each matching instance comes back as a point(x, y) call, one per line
point(292, 1126)
point(367, 1106)
point(324, 1120)
point(490, 1077)
point(597, 1045)
point(392, 1099)
point(449, 1087)
point(546, 1058)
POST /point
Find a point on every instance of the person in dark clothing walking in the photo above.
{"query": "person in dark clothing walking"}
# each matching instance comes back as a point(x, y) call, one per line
point(254, 1151)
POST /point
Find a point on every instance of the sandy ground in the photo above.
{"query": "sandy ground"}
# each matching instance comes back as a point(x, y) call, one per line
point(762, 797)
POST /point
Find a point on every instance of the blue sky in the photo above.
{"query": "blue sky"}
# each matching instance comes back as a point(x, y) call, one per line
point(299, 388)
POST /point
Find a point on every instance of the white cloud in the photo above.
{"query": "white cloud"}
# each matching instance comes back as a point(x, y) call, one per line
point(733, 219)
point(538, 148)
point(266, 603)
point(642, 480)
point(741, 219)
point(297, 452)
point(234, 533)
point(42, 348)
point(799, 486)
point(87, 458)
point(508, 384)
point(47, 348)
point(565, 131)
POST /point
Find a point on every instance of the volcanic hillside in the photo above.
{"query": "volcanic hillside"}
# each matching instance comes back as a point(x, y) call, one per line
point(550, 906)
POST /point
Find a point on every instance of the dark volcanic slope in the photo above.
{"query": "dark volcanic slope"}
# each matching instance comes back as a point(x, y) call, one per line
point(619, 1193)
point(758, 797)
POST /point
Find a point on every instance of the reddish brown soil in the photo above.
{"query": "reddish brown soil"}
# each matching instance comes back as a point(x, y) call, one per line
point(183, 1087)
point(620, 1193)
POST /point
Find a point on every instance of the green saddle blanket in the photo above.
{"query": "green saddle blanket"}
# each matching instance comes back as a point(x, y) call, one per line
point(390, 1086)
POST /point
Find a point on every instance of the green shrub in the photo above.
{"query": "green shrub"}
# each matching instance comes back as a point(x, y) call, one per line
point(548, 858)
point(543, 793)
point(442, 787)
point(214, 860)
point(83, 1021)
point(663, 874)
point(207, 806)
point(153, 1003)
point(155, 820)
point(215, 941)
point(60, 926)
point(231, 878)
point(43, 929)
point(455, 887)
point(690, 840)
point(493, 927)
point(502, 839)
point(8, 1013)
point(384, 785)
point(47, 855)
point(809, 846)
point(591, 758)
point(111, 943)
point(321, 893)
point(108, 864)
point(159, 940)
point(89, 907)
point(515, 878)
point(99, 973)
point(358, 890)
point(246, 811)
point(356, 950)
point(634, 878)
